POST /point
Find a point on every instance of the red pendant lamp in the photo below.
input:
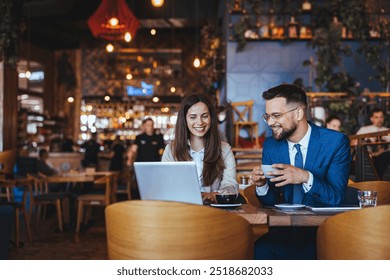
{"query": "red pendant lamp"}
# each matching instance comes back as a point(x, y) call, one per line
point(113, 20)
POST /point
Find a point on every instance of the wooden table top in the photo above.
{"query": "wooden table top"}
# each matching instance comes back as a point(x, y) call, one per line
point(77, 177)
point(302, 217)
point(275, 217)
point(252, 214)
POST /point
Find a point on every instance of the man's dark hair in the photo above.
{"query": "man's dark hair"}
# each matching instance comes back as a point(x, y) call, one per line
point(147, 119)
point(292, 93)
point(376, 110)
point(332, 117)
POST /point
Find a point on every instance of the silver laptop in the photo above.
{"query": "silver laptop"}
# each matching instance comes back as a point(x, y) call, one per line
point(169, 181)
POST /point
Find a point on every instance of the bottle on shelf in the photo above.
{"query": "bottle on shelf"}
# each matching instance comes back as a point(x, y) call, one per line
point(293, 28)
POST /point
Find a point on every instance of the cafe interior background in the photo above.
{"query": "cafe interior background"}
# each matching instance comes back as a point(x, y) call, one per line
point(66, 71)
point(77, 87)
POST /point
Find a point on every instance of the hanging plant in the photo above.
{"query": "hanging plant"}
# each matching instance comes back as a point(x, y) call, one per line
point(212, 67)
point(378, 54)
point(9, 33)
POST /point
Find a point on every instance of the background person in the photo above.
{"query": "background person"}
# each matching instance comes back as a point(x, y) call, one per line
point(380, 153)
point(117, 155)
point(197, 139)
point(91, 154)
point(333, 122)
point(43, 166)
point(147, 146)
point(321, 180)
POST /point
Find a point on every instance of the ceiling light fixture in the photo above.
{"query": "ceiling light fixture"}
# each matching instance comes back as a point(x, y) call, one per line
point(196, 62)
point(110, 47)
point(113, 20)
point(157, 3)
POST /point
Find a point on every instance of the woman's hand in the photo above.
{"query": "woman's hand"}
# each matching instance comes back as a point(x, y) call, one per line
point(257, 177)
point(208, 197)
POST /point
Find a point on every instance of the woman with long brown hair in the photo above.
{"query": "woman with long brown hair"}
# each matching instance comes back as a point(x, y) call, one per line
point(197, 139)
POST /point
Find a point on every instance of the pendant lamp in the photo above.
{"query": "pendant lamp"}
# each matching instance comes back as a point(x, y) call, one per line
point(113, 20)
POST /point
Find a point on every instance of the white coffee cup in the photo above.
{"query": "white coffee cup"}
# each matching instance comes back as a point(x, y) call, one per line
point(268, 168)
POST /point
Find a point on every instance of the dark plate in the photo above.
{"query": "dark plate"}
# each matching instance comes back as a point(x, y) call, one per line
point(226, 206)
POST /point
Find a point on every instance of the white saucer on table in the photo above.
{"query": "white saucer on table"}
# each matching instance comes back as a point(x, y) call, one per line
point(289, 207)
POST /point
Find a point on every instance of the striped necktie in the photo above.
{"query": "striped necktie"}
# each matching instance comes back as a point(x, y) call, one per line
point(298, 190)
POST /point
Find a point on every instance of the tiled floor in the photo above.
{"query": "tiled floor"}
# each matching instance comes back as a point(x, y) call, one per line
point(49, 244)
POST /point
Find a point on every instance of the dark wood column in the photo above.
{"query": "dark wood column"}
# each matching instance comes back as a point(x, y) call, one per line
point(8, 107)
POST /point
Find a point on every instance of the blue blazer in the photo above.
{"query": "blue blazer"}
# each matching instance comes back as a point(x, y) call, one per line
point(328, 159)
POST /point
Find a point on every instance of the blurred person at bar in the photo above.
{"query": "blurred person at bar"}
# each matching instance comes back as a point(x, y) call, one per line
point(148, 146)
point(117, 155)
point(379, 153)
point(197, 139)
point(91, 152)
point(333, 122)
point(43, 166)
point(312, 168)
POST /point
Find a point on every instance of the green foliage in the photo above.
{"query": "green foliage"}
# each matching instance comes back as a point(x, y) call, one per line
point(9, 33)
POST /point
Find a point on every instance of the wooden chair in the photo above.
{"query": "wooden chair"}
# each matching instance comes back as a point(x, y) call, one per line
point(94, 199)
point(41, 197)
point(356, 235)
point(249, 193)
point(382, 187)
point(121, 188)
point(151, 230)
point(19, 207)
point(242, 118)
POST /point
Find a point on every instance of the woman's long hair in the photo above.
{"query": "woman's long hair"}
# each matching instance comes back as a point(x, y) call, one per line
point(213, 164)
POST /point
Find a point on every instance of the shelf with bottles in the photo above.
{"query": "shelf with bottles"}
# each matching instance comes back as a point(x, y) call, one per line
point(251, 20)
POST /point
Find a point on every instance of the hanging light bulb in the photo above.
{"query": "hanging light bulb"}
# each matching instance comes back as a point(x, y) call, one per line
point(196, 62)
point(128, 37)
point(28, 74)
point(110, 47)
point(113, 21)
point(70, 99)
point(157, 3)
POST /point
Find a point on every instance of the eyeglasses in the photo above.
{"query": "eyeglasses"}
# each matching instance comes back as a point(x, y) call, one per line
point(276, 116)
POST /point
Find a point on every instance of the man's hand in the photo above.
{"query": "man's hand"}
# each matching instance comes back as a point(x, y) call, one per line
point(288, 174)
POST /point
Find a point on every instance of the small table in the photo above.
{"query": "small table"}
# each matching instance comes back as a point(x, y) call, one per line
point(301, 217)
point(275, 217)
point(254, 215)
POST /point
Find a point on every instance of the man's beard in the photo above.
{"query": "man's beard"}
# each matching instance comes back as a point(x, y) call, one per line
point(286, 132)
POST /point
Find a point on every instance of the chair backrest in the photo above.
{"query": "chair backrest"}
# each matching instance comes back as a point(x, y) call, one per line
point(150, 229)
point(382, 187)
point(40, 185)
point(107, 181)
point(242, 111)
point(250, 194)
point(359, 234)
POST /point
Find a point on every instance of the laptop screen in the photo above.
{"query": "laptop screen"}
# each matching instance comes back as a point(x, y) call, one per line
point(169, 181)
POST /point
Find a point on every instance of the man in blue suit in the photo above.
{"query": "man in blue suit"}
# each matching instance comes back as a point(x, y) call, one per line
point(312, 168)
